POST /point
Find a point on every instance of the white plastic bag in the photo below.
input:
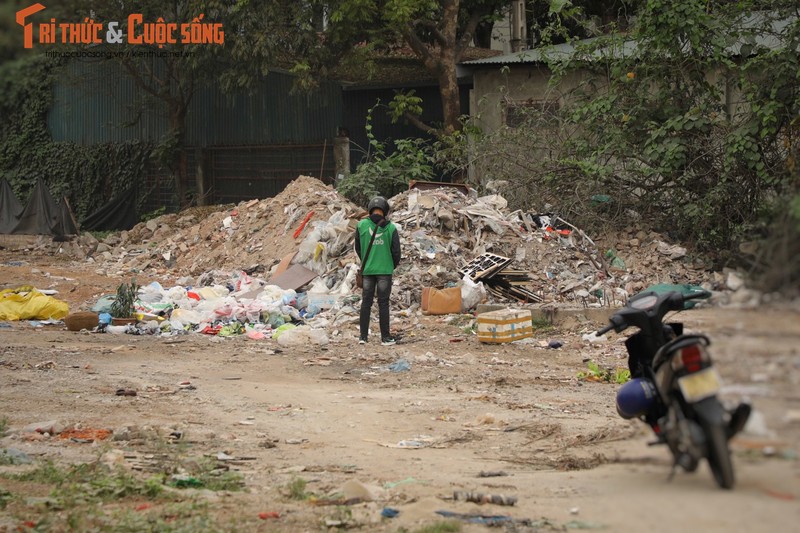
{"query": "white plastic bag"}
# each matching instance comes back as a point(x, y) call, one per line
point(303, 336)
point(471, 294)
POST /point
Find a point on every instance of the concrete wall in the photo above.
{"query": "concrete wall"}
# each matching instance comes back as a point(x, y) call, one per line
point(496, 88)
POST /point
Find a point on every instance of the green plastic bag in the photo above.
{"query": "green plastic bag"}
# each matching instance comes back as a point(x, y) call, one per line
point(281, 329)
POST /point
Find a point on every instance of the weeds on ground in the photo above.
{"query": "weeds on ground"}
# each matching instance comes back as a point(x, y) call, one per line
point(180, 517)
point(101, 235)
point(90, 483)
point(5, 497)
point(605, 375)
point(3, 426)
point(94, 497)
point(296, 489)
point(211, 477)
point(542, 324)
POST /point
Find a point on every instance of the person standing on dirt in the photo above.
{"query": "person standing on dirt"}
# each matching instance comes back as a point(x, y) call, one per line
point(379, 261)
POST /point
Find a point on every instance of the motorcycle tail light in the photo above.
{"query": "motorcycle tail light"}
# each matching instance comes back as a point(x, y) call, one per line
point(689, 358)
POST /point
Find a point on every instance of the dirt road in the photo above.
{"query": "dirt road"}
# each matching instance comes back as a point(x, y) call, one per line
point(309, 429)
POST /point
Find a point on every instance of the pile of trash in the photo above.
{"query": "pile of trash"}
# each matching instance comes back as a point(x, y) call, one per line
point(443, 228)
point(285, 268)
point(225, 306)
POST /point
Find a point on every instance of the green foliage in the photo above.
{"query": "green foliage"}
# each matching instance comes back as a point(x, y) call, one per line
point(296, 489)
point(86, 175)
point(3, 425)
point(179, 517)
point(681, 134)
point(211, 477)
point(153, 214)
point(93, 497)
point(5, 498)
point(384, 173)
point(542, 324)
point(403, 104)
point(604, 375)
point(46, 473)
point(123, 305)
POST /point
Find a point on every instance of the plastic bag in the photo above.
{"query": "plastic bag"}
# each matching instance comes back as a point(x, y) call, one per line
point(26, 303)
point(151, 293)
point(103, 304)
point(471, 294)
point(302, 336)
point(282, 330)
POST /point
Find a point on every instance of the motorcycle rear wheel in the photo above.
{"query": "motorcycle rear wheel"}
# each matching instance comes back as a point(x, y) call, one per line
point(719, 456)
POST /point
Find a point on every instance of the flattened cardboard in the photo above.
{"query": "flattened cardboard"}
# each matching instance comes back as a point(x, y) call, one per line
point(284, 264)
point(293, 278)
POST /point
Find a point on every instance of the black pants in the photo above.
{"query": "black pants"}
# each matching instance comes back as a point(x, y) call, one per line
point(384, 287)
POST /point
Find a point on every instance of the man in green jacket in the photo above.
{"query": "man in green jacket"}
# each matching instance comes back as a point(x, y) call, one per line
point(379, 261)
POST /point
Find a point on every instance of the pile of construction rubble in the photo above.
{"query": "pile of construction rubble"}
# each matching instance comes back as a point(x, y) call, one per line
point(442, 230)
point(286, 266)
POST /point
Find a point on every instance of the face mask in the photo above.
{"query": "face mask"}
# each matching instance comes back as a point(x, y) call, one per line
point(376, 218)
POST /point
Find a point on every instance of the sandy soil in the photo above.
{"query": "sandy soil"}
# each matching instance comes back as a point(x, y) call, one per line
point(338, 415)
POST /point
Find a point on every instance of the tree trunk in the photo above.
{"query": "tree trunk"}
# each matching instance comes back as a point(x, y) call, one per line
point(451, 99)
point(179, 163)
point(448, 79)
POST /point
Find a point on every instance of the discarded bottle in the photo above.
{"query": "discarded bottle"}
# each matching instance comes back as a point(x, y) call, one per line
point(479, 497)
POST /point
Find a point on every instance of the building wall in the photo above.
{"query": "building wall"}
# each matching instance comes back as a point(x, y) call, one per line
point(496, 88)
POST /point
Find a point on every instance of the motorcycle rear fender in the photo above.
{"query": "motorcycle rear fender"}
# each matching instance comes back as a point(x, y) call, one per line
point(709, 412)
point(666, 352)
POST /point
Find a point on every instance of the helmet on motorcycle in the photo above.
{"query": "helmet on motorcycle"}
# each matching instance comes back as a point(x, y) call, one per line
point(379, 202)
point(636, 398)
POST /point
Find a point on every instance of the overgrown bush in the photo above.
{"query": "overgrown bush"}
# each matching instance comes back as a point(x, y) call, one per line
point(88, 175)
point(693, 130)
point(385, 171)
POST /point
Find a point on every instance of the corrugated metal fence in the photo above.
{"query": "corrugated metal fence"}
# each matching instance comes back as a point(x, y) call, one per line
point(98, 102)
point(248, 144)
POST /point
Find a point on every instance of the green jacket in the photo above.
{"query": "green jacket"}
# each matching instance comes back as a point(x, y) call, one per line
point(384, 255)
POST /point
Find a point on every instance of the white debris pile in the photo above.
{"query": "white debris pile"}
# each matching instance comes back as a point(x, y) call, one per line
point(442, 229)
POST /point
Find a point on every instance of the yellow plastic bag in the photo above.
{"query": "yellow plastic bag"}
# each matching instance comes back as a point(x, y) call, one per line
point(26, 303)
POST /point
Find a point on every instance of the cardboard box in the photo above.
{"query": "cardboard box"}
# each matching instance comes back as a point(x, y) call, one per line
point(506, 325)
point(441, 301)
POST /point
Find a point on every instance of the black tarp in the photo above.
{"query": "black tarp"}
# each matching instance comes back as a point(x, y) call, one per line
point(10, 208)
point(117, 214)
point(43, 216)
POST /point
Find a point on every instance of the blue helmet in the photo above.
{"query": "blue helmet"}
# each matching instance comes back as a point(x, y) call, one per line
point(636, 398)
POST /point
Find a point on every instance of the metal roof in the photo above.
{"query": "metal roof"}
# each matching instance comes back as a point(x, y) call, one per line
point(536, 55)
point(759, 30)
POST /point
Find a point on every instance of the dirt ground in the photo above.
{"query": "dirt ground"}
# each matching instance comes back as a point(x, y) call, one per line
point(338, 423)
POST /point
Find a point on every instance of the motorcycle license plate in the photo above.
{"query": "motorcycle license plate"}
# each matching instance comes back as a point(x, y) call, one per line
point(699, 385)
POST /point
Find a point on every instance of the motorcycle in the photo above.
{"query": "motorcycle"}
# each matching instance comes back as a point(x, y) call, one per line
point(674, 384)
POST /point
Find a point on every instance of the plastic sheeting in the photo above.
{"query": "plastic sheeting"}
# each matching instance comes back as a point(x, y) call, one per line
point(26, 303)
point(42, 215)
point(10, 208)
point(117, 214)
